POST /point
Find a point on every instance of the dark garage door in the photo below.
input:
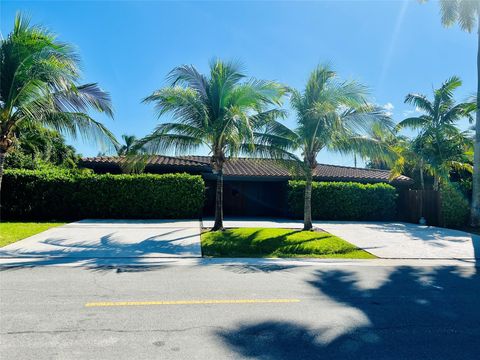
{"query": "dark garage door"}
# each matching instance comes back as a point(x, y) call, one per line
point(249, 198)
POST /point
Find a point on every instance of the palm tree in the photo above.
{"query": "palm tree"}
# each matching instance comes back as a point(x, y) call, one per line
point(39, 86)
point(412, 155)
point(467, 14)
point(390, 140)
point(409, 158)
point(219, 111)
point(130, 146)
point(407, 154)
point(332, 115)
point(439, 142)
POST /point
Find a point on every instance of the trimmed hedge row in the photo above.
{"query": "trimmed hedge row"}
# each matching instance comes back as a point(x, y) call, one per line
point(455, 208)
point(61, 195)
point(344, 200)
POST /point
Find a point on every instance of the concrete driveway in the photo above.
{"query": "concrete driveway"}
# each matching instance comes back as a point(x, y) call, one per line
point(386, 239)
point(97, 239)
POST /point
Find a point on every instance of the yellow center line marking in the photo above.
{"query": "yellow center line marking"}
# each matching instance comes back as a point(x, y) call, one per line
point(189, 302)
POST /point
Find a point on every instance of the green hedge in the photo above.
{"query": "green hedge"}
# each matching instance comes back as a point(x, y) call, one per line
point(454, 205)
point(63, 195)
point(344, 200)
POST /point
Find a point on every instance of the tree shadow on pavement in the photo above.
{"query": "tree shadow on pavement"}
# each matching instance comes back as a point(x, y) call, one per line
point(415, 313)
point(105, 255)
point(431, 235)
point(257, 268)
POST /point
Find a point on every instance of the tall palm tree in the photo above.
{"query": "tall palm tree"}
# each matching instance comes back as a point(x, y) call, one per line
point(439, 141)
point(39, 85)
point(219, 111)
point(407, 154)
point(467, 14)
point(332, 115)
point(410, 157)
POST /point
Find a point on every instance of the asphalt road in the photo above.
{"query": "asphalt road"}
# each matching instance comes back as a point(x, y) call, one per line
point(237, 311)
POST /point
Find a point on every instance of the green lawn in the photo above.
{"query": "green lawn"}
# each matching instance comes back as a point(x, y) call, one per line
point(262, 242)
point(14, 231)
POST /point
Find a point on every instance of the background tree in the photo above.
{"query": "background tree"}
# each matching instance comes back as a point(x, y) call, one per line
point(331, 114)
point(466, 13)
point(36, 146)
point(440, 145)
point(219, 111)
point(391, 140)
point(130, 146)
point(407, 156)
point(39, 78)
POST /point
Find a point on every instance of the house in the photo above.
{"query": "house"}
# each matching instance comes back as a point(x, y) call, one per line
point(252, 187)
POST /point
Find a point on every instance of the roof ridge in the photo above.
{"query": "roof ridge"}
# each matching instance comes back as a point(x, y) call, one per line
point(244, 166)
point(353, 167)
point(192, 159)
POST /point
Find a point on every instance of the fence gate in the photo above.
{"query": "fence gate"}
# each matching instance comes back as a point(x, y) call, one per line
point(418, 203)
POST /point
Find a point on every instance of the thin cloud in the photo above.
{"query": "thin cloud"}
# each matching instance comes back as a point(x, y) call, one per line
point(388, 107)
point(409, 113)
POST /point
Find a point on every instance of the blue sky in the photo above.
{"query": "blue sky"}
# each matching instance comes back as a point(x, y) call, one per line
point(394, 47)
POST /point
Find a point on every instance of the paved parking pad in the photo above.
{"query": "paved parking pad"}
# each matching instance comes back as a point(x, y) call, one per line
point(112, 239)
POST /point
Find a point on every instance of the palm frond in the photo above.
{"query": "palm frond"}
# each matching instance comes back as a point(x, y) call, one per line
point(363, 118)
point(75, 124)
point(468, 12)
point(421, 102)
point(413, 122)
point(183, 103)
point(188, 76)
point(160, 143)
point(82, 98)
point(449, 11)
point(363, 146)
point(462, 110)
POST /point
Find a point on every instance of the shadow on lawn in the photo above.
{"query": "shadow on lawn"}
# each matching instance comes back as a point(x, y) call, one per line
point(415, 313)
point(235, 243)
point(104, 256)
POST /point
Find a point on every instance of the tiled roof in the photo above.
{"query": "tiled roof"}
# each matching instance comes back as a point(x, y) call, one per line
point(249, 167)
point(152, 160)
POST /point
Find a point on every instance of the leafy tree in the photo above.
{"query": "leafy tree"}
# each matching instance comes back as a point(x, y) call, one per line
point(41, 146)
point(467, 14)
point(440, 145)
point(331, 114)
point(39, 85)
point(220, 111)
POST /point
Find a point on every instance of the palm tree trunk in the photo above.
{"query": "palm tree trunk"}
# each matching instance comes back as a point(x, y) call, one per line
point(422, 181)
point(307, 212)
point(218, 225)
point(475, 212)
point(436, 183)
point(2, 161)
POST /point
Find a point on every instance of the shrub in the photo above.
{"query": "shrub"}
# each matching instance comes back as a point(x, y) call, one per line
point(344, 200)
point(455, 208)
point(64, 195)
